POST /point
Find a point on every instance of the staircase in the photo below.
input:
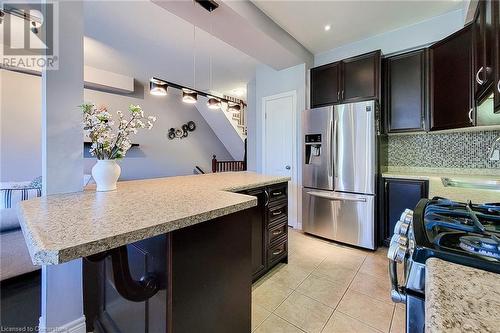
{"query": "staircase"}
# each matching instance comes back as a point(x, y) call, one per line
point(229, 127)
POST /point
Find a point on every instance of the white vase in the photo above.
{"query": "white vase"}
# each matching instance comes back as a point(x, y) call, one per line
point(105, 174)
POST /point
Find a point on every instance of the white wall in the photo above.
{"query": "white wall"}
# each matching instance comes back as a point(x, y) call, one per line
point(20, 119)
point(157, 156)
point(405, 38)
point(20, 126)
point(270, 82)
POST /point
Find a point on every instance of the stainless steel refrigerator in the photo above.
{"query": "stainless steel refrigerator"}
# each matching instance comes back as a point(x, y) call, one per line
point(338, 173)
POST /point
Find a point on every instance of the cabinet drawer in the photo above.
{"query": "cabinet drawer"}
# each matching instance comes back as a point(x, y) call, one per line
point(277, 252)
point(278, 192)
point(277, 212)
point(278, 231)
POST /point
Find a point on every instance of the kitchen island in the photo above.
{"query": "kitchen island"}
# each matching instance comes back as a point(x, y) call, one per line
point(162, 255)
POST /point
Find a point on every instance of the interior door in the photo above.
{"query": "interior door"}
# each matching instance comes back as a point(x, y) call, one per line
point(279, 143)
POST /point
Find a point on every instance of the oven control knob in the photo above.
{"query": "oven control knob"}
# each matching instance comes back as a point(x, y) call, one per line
point(396, 252)
point(399, 239)
point(407, 216)
point(401, 228)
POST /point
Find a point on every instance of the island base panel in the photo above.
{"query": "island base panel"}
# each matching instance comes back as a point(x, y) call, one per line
point(205, 275)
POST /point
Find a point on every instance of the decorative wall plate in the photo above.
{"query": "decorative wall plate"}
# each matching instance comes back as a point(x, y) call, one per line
point(181, 132)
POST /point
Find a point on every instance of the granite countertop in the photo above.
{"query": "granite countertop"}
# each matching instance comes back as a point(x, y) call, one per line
point(436, 187)
point(460, 298)
point(60, 228)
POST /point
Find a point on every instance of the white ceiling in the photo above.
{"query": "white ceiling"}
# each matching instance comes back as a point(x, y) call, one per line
point(140, 39)
point(350, 21)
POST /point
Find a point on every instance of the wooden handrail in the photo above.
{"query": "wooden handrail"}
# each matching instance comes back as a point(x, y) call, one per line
point(224, 166)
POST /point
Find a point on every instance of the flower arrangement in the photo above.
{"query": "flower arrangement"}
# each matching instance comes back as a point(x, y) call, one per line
point(106, 142)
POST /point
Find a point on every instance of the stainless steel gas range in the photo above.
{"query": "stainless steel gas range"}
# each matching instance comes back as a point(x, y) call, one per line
point(463, 233)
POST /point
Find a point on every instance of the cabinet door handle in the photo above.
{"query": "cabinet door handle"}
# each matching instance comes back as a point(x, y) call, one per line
point(338, 95)
point(278, 232)
point(267, 198)
point(276, 213)
point(498, 86)
point(470, 116)
point(478, 79)
point(276, 194)
point(342, 94)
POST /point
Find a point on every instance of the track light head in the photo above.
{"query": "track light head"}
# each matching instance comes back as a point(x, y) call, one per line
point(213, 103)
point(234, 108)
point(189, 96)
point(157, 87)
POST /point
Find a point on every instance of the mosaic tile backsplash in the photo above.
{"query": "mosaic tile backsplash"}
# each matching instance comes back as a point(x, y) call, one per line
point(450, 150)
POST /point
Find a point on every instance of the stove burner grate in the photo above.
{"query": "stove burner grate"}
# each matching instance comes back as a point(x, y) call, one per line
point(489, 247)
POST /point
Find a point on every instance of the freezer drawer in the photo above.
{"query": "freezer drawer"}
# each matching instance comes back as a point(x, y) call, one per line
point(343, 217)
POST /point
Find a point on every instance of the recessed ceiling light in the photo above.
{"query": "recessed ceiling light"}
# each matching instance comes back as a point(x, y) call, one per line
point(327, 27)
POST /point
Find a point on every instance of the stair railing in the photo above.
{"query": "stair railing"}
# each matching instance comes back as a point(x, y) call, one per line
point(225, 166)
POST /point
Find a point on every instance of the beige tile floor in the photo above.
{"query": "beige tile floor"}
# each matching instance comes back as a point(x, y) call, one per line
point(326, 287)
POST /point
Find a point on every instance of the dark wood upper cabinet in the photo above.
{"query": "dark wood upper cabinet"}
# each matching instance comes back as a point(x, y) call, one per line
point(496, 62)
point(325, 85)
point(483, 49)
point(405, 92)
point(361, 77)
point(350, 80)
point(451, 100)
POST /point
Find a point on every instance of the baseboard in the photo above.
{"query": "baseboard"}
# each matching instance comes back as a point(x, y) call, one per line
point(75, 326)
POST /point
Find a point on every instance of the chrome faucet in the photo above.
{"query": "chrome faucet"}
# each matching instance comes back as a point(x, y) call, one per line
point(494, 147)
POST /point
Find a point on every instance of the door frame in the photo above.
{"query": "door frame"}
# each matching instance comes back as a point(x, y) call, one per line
point(294, 164)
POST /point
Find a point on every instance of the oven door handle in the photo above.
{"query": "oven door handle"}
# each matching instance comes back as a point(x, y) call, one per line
point(397, 293)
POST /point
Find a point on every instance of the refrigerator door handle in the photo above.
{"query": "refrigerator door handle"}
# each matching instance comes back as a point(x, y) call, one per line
point(329, 140)
point(334, 144)
point(336, 197)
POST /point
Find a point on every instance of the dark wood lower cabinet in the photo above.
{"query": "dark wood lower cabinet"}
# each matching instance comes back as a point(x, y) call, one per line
point(400, 194)
point(269, 228)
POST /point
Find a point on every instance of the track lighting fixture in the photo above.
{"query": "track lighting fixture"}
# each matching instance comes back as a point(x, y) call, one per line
point(189, 96)
point(213, 103)
point(157, 87)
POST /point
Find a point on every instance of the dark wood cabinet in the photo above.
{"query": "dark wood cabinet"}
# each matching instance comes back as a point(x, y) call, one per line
point(483, 50)
point(496, 55)
point(451, 91)
point(361, 77)
point(350, 80)
point(269, 221)
point(258, 217)
point(325, 85)
point(405, 92)
point(400, 194)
